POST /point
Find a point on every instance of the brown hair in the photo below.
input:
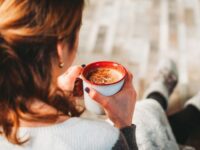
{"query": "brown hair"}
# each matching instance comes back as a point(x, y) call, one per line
point(29, 32)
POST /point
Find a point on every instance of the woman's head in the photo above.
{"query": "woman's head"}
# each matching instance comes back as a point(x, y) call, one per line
point(35, 36)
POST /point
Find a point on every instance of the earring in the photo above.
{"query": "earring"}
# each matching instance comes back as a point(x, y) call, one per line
point(61, 65)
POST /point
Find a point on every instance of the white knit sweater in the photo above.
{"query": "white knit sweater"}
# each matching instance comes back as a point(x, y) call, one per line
point(73, 134)
point(153, 133)
point(153, 129)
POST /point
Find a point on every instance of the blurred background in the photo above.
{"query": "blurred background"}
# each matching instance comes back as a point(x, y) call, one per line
point(139, 33)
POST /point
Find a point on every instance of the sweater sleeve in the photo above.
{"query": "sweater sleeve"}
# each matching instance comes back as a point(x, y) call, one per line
point(127, 139)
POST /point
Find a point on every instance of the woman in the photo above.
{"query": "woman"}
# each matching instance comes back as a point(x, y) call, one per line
point(38, 43)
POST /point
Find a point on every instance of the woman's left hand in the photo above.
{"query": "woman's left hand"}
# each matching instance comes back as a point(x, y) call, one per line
point(66, 80)
point(120, 106)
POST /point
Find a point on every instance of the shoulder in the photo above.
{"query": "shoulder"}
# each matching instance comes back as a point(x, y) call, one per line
point(99, 132)
point(75, 133)
point(97, 127)
point(96, 124)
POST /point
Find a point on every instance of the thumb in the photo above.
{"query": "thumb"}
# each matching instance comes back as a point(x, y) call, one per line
point(96, 96)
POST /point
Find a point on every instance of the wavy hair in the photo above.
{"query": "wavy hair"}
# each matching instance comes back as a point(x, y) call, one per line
point(29, 32)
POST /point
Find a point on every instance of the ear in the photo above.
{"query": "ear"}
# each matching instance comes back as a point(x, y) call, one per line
point(60, 51)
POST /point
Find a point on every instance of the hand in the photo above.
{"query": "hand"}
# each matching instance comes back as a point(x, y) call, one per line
point(66, 81)
point(119, 107)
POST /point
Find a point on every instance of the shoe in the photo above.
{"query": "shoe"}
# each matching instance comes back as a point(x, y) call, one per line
point(195, 101)
point(165, 80)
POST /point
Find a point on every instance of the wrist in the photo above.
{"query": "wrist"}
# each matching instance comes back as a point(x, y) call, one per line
point(122, 125)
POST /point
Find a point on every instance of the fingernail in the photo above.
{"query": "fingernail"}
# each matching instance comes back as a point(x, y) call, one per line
point(87, 90)
point(83, 65)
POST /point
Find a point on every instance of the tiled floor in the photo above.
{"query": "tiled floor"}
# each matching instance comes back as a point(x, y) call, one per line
point(139, 33)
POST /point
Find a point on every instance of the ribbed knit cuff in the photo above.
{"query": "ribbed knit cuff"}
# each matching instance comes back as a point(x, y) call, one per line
point(159, 87)
point(129, 134)
point(195, 101)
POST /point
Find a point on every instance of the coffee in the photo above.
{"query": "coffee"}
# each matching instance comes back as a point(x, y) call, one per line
point(104, 76)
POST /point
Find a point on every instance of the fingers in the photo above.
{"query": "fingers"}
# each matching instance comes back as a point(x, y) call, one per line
point(99, 98)
point(129, 79)
point(130, 75)
point(72, 74)
point(66, 80)
point(74, 71)
point(78, 88)
point(129, 83)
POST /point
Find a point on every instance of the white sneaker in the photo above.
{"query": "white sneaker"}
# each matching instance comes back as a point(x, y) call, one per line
point(165, 79)
point(195, 101)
